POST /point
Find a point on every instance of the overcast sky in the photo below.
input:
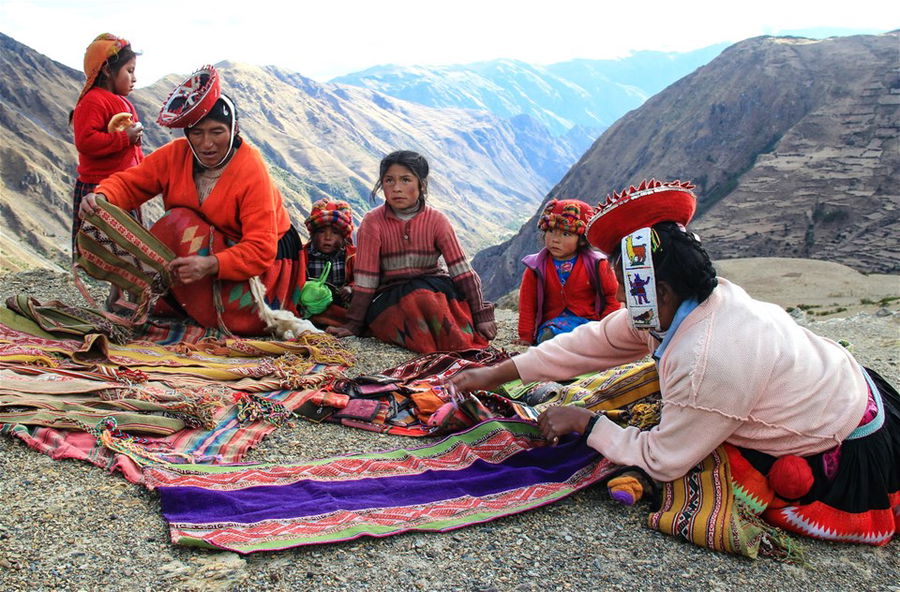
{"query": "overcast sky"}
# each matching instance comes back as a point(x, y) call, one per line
point(327, 38)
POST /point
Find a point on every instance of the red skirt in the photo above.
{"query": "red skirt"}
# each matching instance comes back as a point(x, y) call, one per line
point(222, 303)
point(425, 315)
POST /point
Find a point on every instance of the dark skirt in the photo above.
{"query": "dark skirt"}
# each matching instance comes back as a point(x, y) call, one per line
point(425, 314)
point(855, 491)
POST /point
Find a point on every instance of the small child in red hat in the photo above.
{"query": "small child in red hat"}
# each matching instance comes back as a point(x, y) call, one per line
point(565, 284)
point(331, 253)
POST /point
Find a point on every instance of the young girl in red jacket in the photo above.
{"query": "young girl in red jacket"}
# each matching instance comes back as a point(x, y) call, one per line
point(107, 131)
point(565, 284)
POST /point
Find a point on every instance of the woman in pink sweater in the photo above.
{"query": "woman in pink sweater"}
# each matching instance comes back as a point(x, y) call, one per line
point(810, 422)
point(402, 293)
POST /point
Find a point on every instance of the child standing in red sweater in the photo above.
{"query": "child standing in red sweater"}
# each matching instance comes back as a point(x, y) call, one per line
point(565, 284)
point(107, 131)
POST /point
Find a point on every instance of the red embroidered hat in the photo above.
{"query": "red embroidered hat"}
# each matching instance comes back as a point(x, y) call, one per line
point(638, 207)
point(191, 100)
point(330, 213)
point(569, 215)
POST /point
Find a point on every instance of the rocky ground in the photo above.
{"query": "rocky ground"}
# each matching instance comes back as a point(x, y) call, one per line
point(70, 526)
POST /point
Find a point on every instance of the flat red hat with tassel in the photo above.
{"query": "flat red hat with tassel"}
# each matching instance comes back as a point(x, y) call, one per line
point(639, 207)
point(191, 100)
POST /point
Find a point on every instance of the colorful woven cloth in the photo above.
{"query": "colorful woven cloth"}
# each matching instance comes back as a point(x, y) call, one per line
point(227, 442)
point(702, 508)
point(412, 399)
point(114, 247)
point(495, 469)
point(212, 400)
point(21, 341)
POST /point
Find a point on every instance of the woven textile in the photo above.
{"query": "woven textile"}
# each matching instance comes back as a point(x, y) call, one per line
point(495, 469)
point(114, 247)
point(212, 399)
point(228, 442)
point(401, 400)
point(702, 508)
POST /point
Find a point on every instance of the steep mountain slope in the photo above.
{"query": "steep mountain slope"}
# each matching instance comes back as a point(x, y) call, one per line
point(793, 145)
point(318, 139)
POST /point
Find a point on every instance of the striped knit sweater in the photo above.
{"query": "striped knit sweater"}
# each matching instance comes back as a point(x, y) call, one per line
point(391, 250)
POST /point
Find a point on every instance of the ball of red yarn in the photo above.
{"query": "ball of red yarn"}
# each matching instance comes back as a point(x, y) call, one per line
point(791, 477)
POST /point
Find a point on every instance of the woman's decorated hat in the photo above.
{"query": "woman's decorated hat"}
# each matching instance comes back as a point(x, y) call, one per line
point(191, 100)
point(336, 214)
point(638, 207)
point(568, 215)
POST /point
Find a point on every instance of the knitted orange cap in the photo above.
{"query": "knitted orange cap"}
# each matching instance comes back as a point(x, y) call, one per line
point(336, 214)
point(639, 207)
point(105, 46)
point(569, 215)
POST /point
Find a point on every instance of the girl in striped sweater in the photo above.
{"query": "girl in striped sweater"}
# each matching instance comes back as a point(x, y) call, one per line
point(402, 294)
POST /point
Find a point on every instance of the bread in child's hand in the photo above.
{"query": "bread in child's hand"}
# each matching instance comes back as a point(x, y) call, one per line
point(120, 122)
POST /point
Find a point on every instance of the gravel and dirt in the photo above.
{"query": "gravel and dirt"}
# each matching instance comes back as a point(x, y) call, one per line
point(67, 525)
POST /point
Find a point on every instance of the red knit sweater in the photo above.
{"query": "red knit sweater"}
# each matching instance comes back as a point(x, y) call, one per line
point(244, 204)
point(392, 250)
point(578, 295)
point(101, 153)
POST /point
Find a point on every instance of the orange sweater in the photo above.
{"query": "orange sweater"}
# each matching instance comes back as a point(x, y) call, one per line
point(244, 204)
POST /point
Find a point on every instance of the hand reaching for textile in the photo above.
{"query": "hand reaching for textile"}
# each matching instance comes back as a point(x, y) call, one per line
point(561, 420)
point(487, 329)
point(190, 269)
point(339, 331)
point(485, 379)
point(89, 204)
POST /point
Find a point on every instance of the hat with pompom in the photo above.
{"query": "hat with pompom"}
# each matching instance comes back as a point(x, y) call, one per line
point(336, 214)
point(634, 208)
point(568, 215)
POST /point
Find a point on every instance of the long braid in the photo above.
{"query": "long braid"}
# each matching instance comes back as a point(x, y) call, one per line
point(683, 263)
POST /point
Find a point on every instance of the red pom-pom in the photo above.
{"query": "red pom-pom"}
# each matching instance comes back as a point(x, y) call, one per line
point(791, 477)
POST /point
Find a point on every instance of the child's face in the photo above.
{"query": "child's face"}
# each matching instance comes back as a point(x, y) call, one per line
point(561, 244)
point(327, 240)
point(400, 186)
point(123, 81)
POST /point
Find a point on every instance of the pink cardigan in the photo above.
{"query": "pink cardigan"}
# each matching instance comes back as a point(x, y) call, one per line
point(737, 370)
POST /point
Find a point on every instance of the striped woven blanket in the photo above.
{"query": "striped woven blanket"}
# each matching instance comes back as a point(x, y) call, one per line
point(495, 469)
point(122, 406)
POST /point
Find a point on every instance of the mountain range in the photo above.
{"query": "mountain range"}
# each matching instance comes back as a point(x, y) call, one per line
point(575, 100)
point(793, 143)
point(318, 139)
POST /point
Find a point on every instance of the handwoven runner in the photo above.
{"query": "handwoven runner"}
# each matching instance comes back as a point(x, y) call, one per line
point(495, 469)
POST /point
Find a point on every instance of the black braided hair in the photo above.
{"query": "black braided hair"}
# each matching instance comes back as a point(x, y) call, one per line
point(414, 161)
point(683, 263)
